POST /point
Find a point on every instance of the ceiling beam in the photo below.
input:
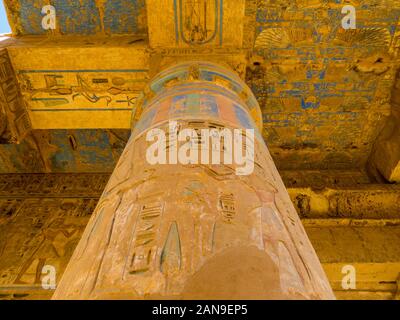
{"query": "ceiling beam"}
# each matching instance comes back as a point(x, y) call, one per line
point(80, 82)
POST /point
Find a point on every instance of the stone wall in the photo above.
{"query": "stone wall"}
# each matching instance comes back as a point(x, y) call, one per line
point(349, 222)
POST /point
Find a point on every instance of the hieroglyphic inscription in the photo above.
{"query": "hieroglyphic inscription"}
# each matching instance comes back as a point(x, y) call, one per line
point(227, 206)
point(145, 237)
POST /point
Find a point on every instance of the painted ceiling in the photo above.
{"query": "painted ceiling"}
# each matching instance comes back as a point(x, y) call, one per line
point(81, 17)
point(325, 92)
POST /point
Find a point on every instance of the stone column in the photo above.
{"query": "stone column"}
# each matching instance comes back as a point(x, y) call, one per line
point(195, 228)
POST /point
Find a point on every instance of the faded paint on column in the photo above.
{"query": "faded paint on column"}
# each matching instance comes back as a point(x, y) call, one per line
point(194, 231)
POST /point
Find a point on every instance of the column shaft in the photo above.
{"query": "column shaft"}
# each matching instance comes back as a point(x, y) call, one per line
point(189, 228)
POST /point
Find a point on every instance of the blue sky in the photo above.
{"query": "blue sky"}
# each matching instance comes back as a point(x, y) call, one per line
point(4, 27)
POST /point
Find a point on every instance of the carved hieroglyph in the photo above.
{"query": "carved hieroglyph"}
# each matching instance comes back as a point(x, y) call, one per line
point(194, 231)
point(14, 119)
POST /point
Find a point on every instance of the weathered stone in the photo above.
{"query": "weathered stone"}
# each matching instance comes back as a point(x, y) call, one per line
point(369, 217)
point(14, 119)
point(385, 157)
point(196, 230)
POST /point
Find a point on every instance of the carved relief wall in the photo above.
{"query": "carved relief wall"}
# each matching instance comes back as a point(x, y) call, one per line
point(324, 91)
point(64, 151)
point(42, 218)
